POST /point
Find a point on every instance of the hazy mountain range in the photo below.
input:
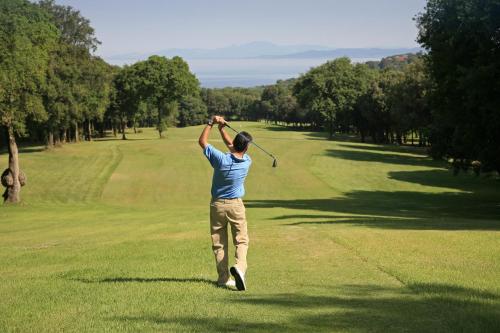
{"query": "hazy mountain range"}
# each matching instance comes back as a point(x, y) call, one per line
point(266, 50)
point(258, 63)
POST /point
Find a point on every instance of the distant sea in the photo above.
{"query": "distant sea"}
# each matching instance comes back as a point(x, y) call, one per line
point(219, 73)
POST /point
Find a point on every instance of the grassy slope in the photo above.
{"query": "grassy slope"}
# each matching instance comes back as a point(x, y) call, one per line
point(113, 236)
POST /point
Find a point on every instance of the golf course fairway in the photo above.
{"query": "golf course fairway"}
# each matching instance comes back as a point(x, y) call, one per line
point(113, 235)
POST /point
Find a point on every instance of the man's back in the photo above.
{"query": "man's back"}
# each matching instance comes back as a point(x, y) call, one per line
point(229, 173)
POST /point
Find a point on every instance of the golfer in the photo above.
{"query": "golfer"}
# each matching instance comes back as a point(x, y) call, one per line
point(226, 206)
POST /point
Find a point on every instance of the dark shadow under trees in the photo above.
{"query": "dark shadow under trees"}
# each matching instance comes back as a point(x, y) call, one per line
point(26, 149)
point(395, 148)
point(395, 210)
point(465, 202)
point(385, 157)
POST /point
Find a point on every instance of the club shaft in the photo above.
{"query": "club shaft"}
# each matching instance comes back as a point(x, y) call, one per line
point(256, 145)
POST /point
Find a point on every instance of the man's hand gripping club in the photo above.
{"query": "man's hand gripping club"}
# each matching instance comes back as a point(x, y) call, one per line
point(203, 140)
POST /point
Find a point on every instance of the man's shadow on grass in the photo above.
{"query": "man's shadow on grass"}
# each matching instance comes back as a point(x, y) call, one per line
point(147, 280)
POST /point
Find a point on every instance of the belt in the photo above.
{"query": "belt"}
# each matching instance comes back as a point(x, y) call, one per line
point(225, 199)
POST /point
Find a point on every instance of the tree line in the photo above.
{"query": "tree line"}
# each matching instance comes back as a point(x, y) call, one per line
point(386, 101)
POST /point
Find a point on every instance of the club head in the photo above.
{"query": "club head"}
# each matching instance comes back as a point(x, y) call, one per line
point(275, 163)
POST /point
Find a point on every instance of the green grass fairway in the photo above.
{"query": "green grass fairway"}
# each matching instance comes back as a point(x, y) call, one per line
point(114, 236)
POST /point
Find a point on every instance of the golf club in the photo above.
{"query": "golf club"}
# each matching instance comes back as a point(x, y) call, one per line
point(275, 162)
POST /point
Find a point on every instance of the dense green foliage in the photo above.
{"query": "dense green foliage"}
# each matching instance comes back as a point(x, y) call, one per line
point(192, 111)
point(395, 107)
point(388, 102)
point(233, 103)
point(389, 105)
point(26, 39)
point(125, 101)
point(152, 89)
point(78, 83)
point(277, 104)
point(331, 90)
point(163, 83)
point(463, 42)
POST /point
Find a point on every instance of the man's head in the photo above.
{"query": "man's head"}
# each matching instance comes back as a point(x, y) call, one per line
point(241, 141)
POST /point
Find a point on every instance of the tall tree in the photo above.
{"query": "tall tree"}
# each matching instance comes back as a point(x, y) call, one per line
point(462, 38)
point(164, 81)
point(410, 111)
point(274, 95)
point(26, 39)
point(192, 111)
point(233, 103)
point(95, 91)
point(125, 98)
point(78, 83)
point(328, 90)
point(381, 96)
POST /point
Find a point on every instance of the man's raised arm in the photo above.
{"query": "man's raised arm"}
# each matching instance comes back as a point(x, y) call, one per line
point(203, 140)
point(225, 137)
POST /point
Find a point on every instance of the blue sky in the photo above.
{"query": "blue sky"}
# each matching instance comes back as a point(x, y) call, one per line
point(126, 26)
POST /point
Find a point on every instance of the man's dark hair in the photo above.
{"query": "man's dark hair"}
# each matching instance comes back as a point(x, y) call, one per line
point(241, 141)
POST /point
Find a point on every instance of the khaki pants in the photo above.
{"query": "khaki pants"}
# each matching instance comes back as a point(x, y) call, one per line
point(222, 213)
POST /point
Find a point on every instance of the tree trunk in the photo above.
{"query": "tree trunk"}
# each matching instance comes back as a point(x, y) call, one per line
point(57, 139)
point(64, 138)
point(13, 192)
point(89, 131)
point(331, 128)
point(123, 131)
point(50, 139)
point(399, 138)
point(77, 134)
point(102, 130)
point(160, 125)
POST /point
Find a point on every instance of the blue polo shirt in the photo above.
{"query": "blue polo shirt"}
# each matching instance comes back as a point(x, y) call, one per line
point(229, 173)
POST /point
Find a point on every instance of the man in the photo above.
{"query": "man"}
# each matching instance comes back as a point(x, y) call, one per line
point(226, 206)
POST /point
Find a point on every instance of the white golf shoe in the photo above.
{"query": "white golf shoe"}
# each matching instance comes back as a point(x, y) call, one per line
point(239, 278)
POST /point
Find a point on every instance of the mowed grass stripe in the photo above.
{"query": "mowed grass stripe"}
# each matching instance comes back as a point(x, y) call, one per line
point(103, 177)
point(73, 173)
